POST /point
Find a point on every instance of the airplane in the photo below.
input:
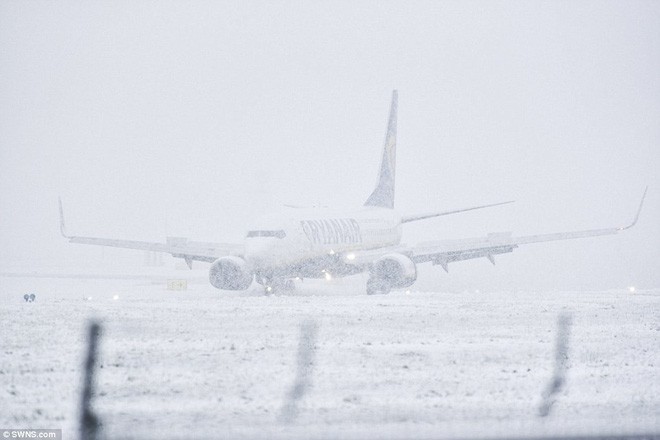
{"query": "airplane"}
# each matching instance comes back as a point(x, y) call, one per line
point(328, 243)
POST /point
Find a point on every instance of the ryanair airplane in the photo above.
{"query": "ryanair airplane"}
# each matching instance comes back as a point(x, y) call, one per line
point(325, 243)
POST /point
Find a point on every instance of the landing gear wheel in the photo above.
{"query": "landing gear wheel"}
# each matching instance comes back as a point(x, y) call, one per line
point(378, 287)
point(277, 285)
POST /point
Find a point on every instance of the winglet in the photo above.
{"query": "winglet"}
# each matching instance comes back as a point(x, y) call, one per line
point(639, 210)
point(62, 228)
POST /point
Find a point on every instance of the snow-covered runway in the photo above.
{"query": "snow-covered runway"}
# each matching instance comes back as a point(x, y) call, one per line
point(206, 363)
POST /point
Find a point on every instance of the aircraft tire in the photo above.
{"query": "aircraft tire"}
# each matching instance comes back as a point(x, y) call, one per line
point(378, 287)
point(278, 285)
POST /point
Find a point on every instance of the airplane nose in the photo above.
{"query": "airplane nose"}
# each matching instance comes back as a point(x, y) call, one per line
point(259, 252)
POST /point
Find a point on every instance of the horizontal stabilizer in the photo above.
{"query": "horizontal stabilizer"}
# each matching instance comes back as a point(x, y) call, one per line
point(413, 218)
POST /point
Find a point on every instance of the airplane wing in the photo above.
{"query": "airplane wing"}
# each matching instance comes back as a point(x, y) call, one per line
point(178, 247)
point(448, 251)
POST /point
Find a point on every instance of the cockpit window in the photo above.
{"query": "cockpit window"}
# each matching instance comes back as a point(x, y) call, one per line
point(276, 234)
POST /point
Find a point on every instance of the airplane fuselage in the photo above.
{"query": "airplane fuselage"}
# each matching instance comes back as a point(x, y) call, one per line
point(313, 243)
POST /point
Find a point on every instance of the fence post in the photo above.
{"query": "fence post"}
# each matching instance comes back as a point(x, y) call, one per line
point(559, 374)
point(89, 422)
point(306, 351)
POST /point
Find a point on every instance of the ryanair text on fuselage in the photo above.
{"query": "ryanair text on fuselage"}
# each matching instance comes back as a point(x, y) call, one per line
point(332, 231)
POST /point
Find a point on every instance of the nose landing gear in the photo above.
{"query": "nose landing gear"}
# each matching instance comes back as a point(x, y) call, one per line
point(274, 285)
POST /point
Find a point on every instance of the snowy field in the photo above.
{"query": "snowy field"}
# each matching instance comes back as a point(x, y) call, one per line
point(203, 363)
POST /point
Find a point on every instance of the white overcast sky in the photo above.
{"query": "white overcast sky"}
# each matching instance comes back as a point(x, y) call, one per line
point(157, 118)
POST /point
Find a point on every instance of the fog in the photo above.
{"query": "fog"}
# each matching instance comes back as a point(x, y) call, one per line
point(155, 119)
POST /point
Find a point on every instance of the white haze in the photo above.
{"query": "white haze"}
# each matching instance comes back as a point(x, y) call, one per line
point(155, 119)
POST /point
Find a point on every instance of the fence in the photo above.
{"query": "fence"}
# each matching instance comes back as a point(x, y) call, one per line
point(90, 427)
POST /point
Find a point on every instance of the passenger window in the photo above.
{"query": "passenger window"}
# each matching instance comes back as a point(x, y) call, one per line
point(276, 234)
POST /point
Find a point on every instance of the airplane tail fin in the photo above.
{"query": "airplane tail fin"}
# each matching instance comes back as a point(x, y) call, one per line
point(383, 195)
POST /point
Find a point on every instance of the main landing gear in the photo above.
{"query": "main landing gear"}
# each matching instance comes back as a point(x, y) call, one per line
point(377, 286)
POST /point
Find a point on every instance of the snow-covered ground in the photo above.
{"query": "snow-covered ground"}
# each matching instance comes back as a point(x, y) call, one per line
point(204, 363)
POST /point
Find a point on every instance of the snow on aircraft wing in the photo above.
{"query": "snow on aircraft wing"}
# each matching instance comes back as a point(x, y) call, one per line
point(178, 247)
point(447, 251)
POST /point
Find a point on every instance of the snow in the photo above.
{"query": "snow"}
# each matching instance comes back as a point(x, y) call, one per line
point(209, 363)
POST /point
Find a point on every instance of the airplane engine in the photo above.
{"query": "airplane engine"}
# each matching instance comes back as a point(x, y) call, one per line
point(397, 270)
point(230, 273)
